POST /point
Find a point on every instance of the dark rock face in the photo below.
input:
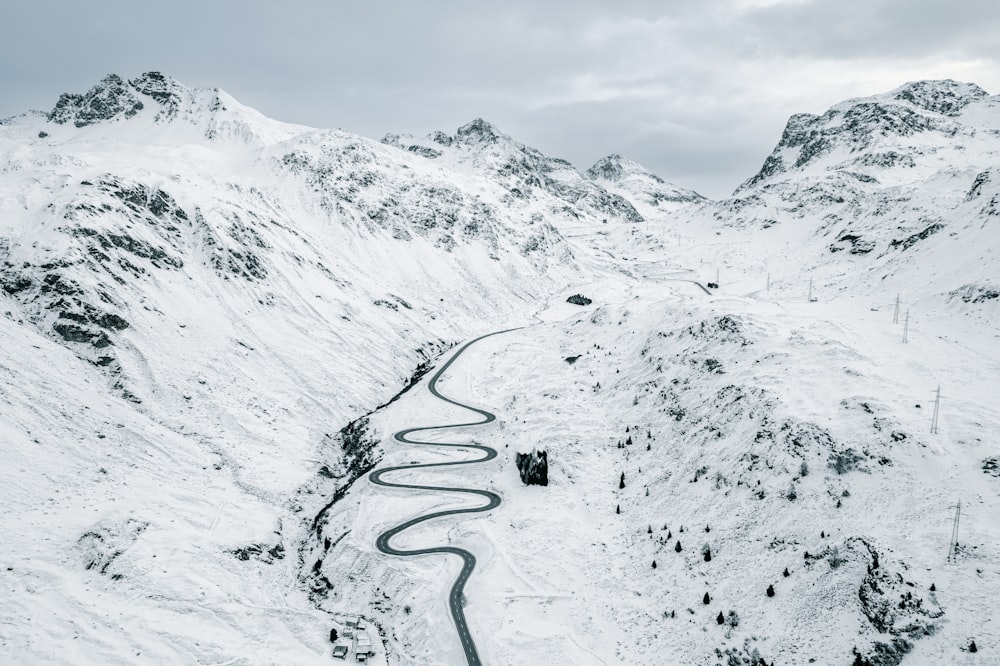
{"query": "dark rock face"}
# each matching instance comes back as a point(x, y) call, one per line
point(945, 97)
point(161, 88)
point(906, 243)
point(114, 98)
point(424, 151)
point(108, 99)
point(858, 245)
point(534, 468)
point(261, 552)
point(478, 131)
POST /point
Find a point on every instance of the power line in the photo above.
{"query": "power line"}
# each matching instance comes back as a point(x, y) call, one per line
point(937, 407)
point(953, 545)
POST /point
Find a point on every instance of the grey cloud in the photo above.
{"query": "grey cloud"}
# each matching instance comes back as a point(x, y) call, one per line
point(853, 29)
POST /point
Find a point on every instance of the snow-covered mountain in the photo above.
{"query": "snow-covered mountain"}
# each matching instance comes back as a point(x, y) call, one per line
point(646, 190)
point(874, 178)
point(240, 288)
point(202, 307)
point(480, 148)
point(894, 193)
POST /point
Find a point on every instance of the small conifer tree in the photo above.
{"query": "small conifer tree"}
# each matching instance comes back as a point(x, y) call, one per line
point(770, 590)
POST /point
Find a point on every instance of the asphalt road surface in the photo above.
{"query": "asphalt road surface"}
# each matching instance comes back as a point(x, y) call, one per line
point(492, 500)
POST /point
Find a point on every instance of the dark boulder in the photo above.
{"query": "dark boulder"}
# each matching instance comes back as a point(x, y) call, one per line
point(534, 468)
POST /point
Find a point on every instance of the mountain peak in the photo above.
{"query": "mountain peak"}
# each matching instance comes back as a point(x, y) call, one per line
point(113, 97)
point(877, 132)
point(945, 96)
point(110, 98)
point(615, 167)
point(638, 184)
point(478, 131)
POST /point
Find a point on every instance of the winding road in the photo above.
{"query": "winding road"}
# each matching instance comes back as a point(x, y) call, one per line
point(492, 499)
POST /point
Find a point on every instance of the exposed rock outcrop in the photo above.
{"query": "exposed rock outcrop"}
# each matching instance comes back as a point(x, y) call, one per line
point(534, 468)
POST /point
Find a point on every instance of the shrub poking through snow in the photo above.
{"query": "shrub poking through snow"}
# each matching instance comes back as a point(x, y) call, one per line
point(835, 558)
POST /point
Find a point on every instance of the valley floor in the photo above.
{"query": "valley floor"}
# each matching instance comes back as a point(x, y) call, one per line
point(728, 416)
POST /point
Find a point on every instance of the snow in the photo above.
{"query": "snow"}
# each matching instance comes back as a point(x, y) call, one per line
point(182, 494)
point(567, 580)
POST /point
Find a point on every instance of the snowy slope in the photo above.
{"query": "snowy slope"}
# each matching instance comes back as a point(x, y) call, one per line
point(779, 434)
point(239, 289)
point(791, 429)
point(199, 304)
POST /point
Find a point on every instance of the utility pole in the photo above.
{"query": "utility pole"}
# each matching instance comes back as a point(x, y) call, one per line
point(810, 290)
point(769, 282)
point(906, 326)
point(953, 546)
point(716, 276)
point(895, 313)
point(937, 406)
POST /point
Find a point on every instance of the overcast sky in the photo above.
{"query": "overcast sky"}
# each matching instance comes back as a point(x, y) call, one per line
point(697, 90)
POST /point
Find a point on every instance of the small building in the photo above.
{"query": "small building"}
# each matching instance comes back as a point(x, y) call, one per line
point(340, 651)
point(363, 646)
